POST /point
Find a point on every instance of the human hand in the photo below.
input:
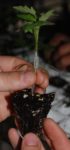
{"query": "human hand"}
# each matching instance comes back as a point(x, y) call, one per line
point(17, 74)
point(61, 56)
point(58, 38)
point(55, 137)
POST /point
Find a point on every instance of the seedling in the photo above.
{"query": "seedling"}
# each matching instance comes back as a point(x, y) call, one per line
point(31, 108)
point(32, 22)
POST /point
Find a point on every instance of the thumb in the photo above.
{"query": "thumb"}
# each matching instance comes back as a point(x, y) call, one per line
point(16, 80)
point(56, 135)
point(31, 142)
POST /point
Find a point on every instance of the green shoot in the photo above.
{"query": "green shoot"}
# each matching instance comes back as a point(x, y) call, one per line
point(33, 21)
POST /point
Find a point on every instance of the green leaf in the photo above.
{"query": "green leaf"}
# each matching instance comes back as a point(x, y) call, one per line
point(49, 23)
point(46, 16)
point(25, 9)
point(32, 21)
point(40, 23)
point(27, 17)
point(46, 23)
point(28, 27)
point(33, 12)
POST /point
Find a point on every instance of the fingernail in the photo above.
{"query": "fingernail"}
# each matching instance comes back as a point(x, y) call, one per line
point(23, 68)
point(30, 140)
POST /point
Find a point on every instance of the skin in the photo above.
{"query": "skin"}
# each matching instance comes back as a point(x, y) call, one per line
point(58, 38)
point(55, 137)
point(62, 55)
point(17, 74)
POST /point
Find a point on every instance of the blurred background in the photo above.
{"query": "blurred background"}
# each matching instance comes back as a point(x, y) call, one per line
point(52, 40)
point(13, 41)
point(11, 37)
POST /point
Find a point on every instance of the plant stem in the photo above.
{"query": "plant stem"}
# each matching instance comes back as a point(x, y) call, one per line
point(36, 58)
point(36, 36)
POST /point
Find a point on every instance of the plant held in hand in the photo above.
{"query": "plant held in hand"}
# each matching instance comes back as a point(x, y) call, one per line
point(31, 108)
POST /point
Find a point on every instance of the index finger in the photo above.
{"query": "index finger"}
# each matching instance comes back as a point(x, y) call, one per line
point(42, 78)
point(56, 135)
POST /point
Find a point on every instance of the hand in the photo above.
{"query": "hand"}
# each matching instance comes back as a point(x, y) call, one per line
point(57, 139)
point(62, 56)
point(17, 74)
point(58, 38)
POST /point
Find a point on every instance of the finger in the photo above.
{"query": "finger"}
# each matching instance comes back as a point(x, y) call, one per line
point(57, 39)
point(7, 63)
point(23, 67)
point(39, 90)
point(63, 62)
point(56, 135)
point(16, 80)
point(42, 78)
point(4, 106)
point(62, 51)
point(31, 142)
point(13, 137)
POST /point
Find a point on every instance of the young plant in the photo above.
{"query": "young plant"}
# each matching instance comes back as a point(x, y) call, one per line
point(34, 106)
point(33, 21)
